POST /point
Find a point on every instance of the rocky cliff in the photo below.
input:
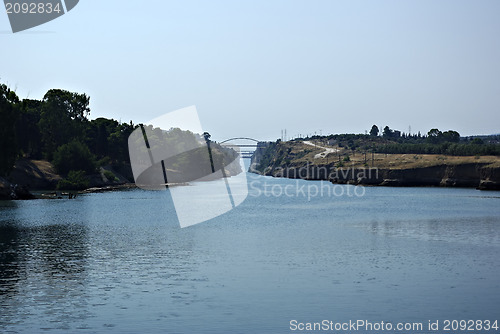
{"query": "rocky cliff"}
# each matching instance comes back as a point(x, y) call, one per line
point(466, 175)
point(9, 191)
point(40, 175)
point(286, 161)
point(258, 153)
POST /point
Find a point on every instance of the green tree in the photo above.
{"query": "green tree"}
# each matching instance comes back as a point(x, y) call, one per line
point(98, 133)
point(62, 119)
point(118, 142)
point(451, 136)
point(387, 132)
point(477, 141)
point(28, 133)
point(8, 114)
point(374, 131)
point(434, 136)
point(74, 156)
point(76, 180)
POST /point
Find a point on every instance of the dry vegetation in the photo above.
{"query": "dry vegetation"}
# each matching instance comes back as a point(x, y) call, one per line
point(301, 153)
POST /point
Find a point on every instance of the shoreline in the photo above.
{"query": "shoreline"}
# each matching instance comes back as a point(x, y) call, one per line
point(471, 175)
point(478, 176)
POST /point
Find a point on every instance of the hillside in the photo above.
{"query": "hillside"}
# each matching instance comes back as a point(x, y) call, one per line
point(315, 160)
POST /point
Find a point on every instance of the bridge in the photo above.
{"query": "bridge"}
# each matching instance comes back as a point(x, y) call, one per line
point(247, 153)
point(240, 138)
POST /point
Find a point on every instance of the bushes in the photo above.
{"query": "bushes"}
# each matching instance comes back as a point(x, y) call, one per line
point(74, 156)
point(110, 176)
point(104, 162)
point(443, 148)
point(8, 117)
point(76, 180)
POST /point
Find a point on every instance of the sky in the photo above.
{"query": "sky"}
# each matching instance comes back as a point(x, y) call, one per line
point(253, 68)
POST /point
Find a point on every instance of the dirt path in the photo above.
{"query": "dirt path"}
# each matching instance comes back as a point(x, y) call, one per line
point(322, 154)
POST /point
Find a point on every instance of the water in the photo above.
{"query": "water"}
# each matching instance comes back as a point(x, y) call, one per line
point(119, 263)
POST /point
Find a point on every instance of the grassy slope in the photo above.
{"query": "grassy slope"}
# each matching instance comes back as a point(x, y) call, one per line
point(301, 153)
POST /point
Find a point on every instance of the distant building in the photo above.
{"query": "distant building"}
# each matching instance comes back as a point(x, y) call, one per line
point(332, 142)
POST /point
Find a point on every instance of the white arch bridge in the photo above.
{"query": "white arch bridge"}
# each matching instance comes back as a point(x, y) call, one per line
point(245, 149)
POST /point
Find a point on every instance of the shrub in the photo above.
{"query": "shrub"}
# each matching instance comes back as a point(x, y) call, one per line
point(104, 161)
point(76, 180)
point(74, 156)
point(110, 176)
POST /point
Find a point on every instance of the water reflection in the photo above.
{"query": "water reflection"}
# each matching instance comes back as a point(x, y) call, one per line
point(44, 268)
point(118, 262)
point(462, 230)
point(9, 264)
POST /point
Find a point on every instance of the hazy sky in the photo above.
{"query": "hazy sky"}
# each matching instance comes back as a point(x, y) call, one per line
point(254, 67)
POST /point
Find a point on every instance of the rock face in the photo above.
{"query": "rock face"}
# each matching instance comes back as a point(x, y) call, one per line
point(41, 175)
point(28, 174)
point(9, 191)
point(463, 175)
point(4, 189)
point(100, 179)
point(490, 178)
point(257, 155)
point(475, 175)
point(34, 174)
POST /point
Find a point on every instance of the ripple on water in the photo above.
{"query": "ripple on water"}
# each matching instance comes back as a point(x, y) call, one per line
point(118, 262)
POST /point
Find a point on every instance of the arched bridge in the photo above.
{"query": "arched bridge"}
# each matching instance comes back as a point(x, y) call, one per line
point(241, 138)
point(247, 154)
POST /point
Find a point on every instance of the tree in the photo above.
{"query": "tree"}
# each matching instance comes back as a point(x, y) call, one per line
point(374, 131)
point(62, 118)
point(74, 156)
point(28, 133)
point(75, 105)
point(387, 132)
point(8, 114)
point(477, 141)
point(76, 180)
point(434, 136)
point(451, 136)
